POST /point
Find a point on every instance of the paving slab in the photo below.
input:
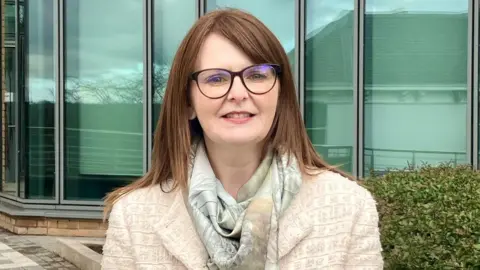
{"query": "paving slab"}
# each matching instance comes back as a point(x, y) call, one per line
point(17, 252)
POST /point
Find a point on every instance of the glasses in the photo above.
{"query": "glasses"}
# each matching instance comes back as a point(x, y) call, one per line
point(215, 83)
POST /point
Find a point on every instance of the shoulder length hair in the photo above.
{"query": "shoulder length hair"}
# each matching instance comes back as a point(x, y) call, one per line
point(174, 131)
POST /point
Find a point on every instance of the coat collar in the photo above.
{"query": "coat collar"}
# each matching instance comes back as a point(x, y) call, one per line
point(178, 234)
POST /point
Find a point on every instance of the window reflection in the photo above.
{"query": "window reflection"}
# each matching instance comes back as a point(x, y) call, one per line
point(9, 185)
point(415, 75)
point(181, 14)
point(103, 96)
point(278, 16)
point(10, 18)
point(35, 98)
point(329, 114)
point(9, 105)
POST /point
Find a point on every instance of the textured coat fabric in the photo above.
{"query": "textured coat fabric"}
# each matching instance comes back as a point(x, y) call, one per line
point(331, 224)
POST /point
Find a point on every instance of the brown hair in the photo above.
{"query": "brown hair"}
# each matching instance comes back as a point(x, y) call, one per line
point(174, 131)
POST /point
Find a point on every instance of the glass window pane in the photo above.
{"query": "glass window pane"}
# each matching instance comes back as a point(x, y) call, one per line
point(415, 76)
point(329, 111)
point(9, 129)
point(9, 20)
point(181, 14)
point(103, 96)
point(279, 16)
point(36, 75)
point(9, 183)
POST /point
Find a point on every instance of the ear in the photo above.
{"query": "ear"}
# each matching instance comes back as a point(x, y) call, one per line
point(191, 113)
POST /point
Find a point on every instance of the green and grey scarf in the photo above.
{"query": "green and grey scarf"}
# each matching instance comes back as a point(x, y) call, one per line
point(241, 233)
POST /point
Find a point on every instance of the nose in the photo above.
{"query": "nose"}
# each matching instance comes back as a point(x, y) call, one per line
point(238, 92)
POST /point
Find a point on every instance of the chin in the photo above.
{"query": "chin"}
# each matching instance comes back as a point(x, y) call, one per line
point(240, 140)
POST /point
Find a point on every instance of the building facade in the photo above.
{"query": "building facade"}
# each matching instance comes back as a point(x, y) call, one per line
point(382, 85)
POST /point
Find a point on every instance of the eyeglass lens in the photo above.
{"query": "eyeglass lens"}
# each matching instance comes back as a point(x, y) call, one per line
point(258, 79)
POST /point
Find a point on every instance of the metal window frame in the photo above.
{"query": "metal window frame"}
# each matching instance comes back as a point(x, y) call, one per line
point(27, 201)
point(475, 8)
point(200, 7)
point(61, 102)
point(57, 56)
point(299, 71)
point(59, 105)
point(470, 90)
point(16, 140)
point(14, 208)
point(358, 93)
point(147, 86)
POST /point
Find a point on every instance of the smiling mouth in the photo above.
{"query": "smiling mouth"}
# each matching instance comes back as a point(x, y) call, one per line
point(238, 115)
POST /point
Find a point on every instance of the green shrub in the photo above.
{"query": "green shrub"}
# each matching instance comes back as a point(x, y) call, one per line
point(429, 217)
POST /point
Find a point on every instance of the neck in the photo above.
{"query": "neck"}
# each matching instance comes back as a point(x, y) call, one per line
point(233, 165)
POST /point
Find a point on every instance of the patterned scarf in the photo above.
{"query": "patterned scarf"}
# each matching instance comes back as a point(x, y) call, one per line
point(241, 233)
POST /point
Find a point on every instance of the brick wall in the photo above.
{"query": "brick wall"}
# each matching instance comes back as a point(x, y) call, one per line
point(53, 226)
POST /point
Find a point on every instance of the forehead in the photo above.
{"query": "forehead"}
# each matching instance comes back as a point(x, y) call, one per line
point(219, 52)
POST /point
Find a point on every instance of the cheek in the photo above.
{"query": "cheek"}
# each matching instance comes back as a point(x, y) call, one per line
point(204, 107)
point(270, 103)
point(197, 100)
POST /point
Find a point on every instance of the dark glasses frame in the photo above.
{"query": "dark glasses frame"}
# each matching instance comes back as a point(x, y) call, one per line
point(278, 70)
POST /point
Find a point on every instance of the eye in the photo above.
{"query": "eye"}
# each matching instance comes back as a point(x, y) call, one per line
point(257, 76)
point(216, 79)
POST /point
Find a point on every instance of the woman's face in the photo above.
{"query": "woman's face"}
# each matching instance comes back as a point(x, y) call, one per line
point(239, 117)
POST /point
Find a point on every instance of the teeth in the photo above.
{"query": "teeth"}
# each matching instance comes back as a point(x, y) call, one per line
point(237, 115)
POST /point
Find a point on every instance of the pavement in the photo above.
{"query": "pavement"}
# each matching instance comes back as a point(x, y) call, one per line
point(20, 252)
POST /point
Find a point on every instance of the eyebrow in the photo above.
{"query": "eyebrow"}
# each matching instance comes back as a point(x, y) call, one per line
point(229, 67)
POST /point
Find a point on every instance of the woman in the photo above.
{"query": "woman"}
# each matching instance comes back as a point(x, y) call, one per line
point(235, 182)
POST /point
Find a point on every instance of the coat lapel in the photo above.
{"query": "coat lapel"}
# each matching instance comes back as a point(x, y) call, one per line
point(179, 236)
point(294, 225)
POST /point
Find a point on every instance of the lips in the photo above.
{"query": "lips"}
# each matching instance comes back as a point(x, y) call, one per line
point(238, 117)
point(235, 115)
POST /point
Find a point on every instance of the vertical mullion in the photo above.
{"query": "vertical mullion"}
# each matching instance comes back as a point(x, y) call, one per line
point(297, 49)
point(300, 53)
point(16, 101)
point(474, 102)
point(356, 89)
point(470, 89)
point(147, 84)
point(197, 8)
point(200, 4)
point(358, 92)
point(59, 104)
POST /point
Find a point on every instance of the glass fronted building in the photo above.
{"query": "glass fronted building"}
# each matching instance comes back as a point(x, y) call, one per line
point(382, 85)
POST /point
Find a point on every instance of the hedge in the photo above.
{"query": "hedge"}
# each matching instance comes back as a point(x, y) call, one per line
point(429, 217)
